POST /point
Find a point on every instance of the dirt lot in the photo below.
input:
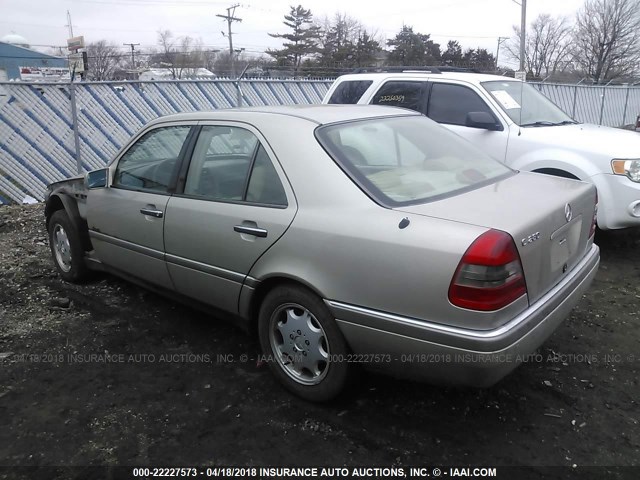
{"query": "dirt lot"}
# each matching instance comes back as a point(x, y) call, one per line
point(110, 374)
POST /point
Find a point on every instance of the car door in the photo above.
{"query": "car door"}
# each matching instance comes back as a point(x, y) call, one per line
point(126, 219)
point(235, 203)
point(449, 104)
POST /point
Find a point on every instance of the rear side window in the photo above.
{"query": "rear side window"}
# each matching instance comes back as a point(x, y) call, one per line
point(450, 104)
point(401, 94)
point(350, 92)
point(229, 164)
point(220, 163)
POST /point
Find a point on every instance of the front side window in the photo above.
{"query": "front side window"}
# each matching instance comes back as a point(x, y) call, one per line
point(349, 92)
point(450, 104)
point(407, 160)
point(230, 164)
point(401, 94)
point(525, 105)
point(149, 163)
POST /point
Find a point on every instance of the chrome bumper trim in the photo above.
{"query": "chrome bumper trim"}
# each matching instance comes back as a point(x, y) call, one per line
point(476, 339)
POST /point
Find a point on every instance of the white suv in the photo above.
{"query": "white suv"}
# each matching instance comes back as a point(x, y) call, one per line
point(517, 125)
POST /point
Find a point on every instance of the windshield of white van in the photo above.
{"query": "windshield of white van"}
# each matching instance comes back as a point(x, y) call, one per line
point(525, 105)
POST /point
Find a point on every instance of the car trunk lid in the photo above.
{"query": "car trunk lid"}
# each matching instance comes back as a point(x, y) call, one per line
point(548, 217)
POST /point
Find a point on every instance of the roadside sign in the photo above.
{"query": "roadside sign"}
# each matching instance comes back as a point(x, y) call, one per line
point(76, 61)
point(75, 43)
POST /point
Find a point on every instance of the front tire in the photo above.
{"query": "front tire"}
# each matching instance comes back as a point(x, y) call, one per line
point(66, 248)
point(306, 350)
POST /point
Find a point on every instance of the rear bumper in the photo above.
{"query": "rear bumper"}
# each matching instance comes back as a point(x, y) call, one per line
point(417, 349)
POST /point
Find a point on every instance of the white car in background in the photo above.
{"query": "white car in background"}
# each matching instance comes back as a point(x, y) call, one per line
point(514, 123)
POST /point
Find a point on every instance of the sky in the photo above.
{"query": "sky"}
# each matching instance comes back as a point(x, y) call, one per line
point(474, 23)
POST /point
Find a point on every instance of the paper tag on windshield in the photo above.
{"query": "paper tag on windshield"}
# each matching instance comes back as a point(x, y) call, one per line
point(505, 99)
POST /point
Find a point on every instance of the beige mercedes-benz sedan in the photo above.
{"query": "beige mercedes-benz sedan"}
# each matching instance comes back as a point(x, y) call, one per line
point(345, 236)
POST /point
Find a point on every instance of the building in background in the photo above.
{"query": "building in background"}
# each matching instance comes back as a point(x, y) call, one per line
point(20, 62)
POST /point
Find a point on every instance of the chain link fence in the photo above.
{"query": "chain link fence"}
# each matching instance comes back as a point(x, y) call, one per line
point(612, 106)
point(53, 131)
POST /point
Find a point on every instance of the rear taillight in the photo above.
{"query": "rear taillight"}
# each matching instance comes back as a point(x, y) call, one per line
point(489, 275)
point(592, 232)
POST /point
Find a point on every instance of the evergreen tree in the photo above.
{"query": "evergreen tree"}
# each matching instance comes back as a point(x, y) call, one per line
point(366, 51)
point(300, 43)
point(479, 59)
point(346, 44)
point(453, 54)
point(413, 49)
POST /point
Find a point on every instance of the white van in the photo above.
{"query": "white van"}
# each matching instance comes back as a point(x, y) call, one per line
point(517, 125)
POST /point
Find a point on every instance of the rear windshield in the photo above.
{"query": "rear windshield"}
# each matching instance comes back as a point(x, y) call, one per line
point(349, 92)
point(401, 161)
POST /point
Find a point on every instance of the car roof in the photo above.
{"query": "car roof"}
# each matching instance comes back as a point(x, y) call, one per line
point(418, 75)
point(319, 114)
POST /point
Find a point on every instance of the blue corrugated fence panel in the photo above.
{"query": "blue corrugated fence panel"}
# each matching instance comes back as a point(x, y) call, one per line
point(37, 143)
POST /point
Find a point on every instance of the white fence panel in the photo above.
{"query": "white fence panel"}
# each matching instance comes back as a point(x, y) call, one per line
point(613, 106)
point(37, 137)
point(37, 142)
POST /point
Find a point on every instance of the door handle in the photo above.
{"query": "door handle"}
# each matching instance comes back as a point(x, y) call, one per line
point(152, 211)
point(258, 232)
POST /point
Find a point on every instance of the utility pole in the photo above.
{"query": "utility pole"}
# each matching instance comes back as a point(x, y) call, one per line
point(69, 25)
point(523, 33)
point(133, 54)
point(230, 18)
point(521, 74)
point(500, 41)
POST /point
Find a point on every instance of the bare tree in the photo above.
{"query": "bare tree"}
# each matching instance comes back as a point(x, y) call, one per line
point(168, 53)
point(345, 43)
point(222, 63)
point(188, 59)
point(607, 38)
point(547, 47)
point(202, 56)
point(175, 54)
point(103, 59)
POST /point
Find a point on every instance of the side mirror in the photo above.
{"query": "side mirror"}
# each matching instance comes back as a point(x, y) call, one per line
point(97, 178)
point(482, 120)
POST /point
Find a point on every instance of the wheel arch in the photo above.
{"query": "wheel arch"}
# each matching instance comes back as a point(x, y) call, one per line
point(578, 164)
point(556, 172)
point(61, 201)
point(251, 299)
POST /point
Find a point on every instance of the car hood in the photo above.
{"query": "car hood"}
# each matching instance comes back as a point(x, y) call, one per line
point(587, 138)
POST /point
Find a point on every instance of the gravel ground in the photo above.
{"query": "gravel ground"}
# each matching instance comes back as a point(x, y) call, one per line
point(110, 374)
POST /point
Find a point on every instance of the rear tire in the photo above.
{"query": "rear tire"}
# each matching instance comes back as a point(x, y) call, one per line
point(66, 248)
point(304, 346)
